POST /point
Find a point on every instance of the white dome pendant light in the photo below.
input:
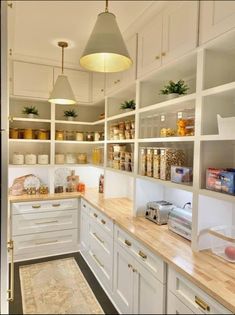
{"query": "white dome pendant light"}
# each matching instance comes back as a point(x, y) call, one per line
point(62, 93)
point(106, 50)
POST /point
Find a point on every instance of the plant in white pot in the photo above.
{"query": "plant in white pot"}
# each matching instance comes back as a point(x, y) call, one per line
point(70, 114)
point(128, 105)
point(174, 89)
point(30, 111)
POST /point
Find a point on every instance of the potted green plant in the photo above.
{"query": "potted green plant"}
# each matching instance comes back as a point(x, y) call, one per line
point(70, 114)
point(30, 111)
point(174, 89)
point(128, 105)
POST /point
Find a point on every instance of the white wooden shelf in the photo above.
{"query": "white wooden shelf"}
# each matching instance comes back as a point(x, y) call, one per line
point(84, 123)
point(167, 139)
point(131, 174)
point(217, 195)
point(120, 116)
point(167, 183)
point(78, 142)
point(219, 89)
point(175, 101)
point(28, 141)
point(217, 138)
point(78, 165)
point(31, 166)
point(121, 141)
point(31, 120)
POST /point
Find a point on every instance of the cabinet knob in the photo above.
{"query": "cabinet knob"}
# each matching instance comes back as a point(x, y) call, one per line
point(163, 54)
point(103, 221)
point(95, 215)
point(157, 57)
point(130, 266)
point(102, 90)
point(128, 243)
point(134, 270)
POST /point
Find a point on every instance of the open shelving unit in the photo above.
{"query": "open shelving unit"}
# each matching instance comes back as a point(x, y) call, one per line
point(210, 73)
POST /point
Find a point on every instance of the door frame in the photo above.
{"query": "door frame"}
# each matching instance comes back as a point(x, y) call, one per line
point(4, 159)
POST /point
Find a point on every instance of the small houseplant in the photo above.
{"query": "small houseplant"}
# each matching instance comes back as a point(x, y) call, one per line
point(70, 114)
point(174, 89)
point(30, 111)
point(128, 105)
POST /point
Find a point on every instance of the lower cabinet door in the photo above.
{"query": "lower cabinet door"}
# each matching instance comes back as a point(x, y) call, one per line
point(175, 306)
point(123, 280)
point(149, 292)
point(84, 233)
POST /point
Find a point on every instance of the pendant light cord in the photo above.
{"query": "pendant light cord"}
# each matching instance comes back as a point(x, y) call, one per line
point(106, 6)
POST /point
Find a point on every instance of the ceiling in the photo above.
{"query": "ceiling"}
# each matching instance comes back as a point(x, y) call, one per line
point(37, 26)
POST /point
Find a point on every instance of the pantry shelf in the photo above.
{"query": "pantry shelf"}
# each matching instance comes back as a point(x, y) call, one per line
point(217, 195)
point(29, 119)
point(83, 123)
point(78, 142)
point(131, 174)
point(168, 139)
point(124, 115)
point(167, 183)
point(28, 141)
point(219, 89)
point(31, 166)
point(121, 141)
point(217, 138)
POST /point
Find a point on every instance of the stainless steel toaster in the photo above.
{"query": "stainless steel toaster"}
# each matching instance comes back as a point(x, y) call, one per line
point(158, 211)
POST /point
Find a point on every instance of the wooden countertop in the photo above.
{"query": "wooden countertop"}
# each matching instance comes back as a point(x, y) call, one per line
point(212, 274)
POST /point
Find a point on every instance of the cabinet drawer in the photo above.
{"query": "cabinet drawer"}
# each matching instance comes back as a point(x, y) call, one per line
point(105, 223)
point(193, 297)
point(175, 306)
point(35, 245)
point(155, 264)
point(85, 207)
point(44, 222)
point(103, 240)
point(48, 205)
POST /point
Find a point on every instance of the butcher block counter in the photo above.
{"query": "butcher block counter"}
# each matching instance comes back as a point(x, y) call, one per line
point(210, 273)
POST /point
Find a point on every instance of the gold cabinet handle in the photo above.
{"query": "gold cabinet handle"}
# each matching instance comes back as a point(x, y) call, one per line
point(97, 237)
point(163, 54)
point(10, 249)
point(130, 266)
point(134, 270)
point(142, 255)
point(84, 206)
point(103, 221)
point(128, 243)
point(36, 206)
point(48, 222)
point(47, 242)
point(98, 262)
point(157, 57)
point(56, 205)
point(102, 90)
point(202, 304)
point(95, 215)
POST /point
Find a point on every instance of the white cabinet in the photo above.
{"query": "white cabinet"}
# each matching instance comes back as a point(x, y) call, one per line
point(98, 86)
point(80, 82)
point(170, 34)
point(180, 29)
point(150, 46)
point(149, 293)
point(191, 296)
point(216, 18)
point(175, 306)
point(84, 231)
point(32, 80)
point(119, 79)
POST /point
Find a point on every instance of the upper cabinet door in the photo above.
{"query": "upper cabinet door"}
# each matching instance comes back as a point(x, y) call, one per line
point(80, 83)
point(98, 86)
point(180, 29)
point(32, 80)
point(216, 17)
point(150, 46)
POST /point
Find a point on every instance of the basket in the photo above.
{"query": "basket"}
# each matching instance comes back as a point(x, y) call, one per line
point(226, 126)
point(223, 242)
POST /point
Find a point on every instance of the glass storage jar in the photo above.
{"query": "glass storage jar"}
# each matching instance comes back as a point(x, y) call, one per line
point(149, 162)
point(59, 135)
point(82, 158)
point(143, 162)
point(90, 136)
point(42, 134)
point(156, 163)
point(70, 158)
point(43, 159)
point(70, 135)
point(79, 136)
point(28, 133)
point(18, 159)
point(14, 133)
point(186, 123)
point(59, 158)
point(30, 159)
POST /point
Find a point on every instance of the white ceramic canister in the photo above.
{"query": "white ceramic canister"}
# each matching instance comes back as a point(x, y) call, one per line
point(79, 136)
point(18, 159)
point(97, 136)
point(43, 159)
point(70, 158)
point(59, 158)
point(30, 159)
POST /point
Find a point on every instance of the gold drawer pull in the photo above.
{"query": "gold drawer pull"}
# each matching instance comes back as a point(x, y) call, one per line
point(202, 304)
point(163, 54)
point(56, 205)
point(130, 266)
point(141, 254)
point(47, 242)
point(134, 270)
point(98, 262)
point(95, 215)
point(36, 206)
point(99, 239)
point(103, 221)
point(157, 57)
point(128, 243)
point(48, 222)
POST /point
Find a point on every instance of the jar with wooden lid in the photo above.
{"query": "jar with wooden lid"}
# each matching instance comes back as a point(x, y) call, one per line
point(70, 158)
point(30, 159)
point(149, 162)
point(14, 133)
point(42, 134)
point(143, 162)
point(43, 159)
point(59, 135)
point(18, 159)
point(28, 133)
point(70, 135)
point(156, 163)
point(82, 158)
point(79, 136)
point(59, 158)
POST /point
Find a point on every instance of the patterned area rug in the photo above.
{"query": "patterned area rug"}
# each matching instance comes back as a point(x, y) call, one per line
point(56, 287)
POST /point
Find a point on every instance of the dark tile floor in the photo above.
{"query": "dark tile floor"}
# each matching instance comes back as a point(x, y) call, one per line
point(106, 304)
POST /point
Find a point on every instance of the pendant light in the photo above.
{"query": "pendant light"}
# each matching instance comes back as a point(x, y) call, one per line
point(106, 50)
point(62, 92)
